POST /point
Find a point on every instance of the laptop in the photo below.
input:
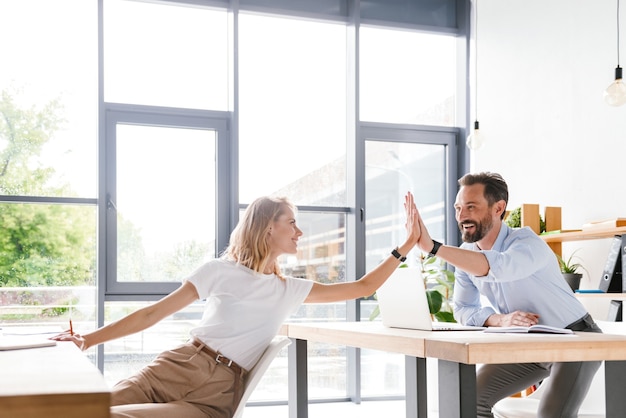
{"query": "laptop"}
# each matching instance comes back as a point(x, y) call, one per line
point(403, 304)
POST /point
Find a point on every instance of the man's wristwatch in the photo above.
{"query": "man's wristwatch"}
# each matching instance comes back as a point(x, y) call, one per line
point(433, 252)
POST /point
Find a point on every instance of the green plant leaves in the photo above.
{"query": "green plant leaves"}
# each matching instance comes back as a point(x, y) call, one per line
point(435, 300)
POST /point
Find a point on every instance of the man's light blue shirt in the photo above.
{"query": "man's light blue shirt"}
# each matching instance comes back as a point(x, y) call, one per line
point(523, 275)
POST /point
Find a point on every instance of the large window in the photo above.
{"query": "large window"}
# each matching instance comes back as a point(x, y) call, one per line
point(396, 161)
point(165, 55)
point(407, 77)
point(48, 170)
point(125, 160)
point(292, 128)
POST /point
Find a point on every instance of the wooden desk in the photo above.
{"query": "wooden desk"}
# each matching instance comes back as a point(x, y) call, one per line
point(371, 335)
point(459, 352)
point(51, 382)
point(459, 355)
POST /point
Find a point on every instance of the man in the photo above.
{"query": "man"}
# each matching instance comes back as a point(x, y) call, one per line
point(518, 274)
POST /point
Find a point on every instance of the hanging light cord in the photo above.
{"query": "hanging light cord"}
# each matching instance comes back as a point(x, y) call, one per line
point(476, 60)
point(618, 33)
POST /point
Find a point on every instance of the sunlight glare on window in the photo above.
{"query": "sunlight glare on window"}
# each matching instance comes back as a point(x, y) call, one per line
point(293, 110)
point(407, 77)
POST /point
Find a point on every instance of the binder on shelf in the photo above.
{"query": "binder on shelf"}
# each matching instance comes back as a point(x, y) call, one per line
point(623, 263)
point(611, 280)
point(615, 311)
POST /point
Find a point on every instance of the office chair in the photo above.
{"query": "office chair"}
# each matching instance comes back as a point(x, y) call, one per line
point(257, 372)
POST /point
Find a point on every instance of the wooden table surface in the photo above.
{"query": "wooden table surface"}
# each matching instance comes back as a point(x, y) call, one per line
point(51, 382)
point(477, 348)
point(371, 335)
point(459, 352)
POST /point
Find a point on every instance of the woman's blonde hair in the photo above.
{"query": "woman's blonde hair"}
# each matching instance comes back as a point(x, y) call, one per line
point(248, 241)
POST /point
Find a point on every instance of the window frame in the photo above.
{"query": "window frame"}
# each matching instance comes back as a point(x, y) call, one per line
point(162, 117)
point(227, 209)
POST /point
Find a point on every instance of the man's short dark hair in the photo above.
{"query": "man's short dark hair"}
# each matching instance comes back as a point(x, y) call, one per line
point(496, 188)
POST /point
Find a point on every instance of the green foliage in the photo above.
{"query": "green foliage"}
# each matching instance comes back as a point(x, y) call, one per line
point(439, 283)
point(40, 244)
point(23, 134)
point(514, 220)
point(569, 266)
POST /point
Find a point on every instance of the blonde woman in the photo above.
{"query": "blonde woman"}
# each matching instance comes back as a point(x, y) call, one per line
point(247, 300)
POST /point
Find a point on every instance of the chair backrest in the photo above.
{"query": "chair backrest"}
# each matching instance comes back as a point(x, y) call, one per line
point(257, 372)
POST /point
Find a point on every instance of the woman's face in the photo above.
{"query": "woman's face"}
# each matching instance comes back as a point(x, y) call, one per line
point(284, 234)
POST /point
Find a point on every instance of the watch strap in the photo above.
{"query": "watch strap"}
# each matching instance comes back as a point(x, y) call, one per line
point(397, 255)
point(433, 252)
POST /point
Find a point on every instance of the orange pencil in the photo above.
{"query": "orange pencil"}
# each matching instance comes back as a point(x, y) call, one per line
point(71, 328)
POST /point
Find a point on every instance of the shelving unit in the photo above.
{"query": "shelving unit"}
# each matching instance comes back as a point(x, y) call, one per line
point(552, 217)
point(583, 234)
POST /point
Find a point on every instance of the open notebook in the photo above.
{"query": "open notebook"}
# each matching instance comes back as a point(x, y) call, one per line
point(17, 337)
point(19, 342)
point(403, 304)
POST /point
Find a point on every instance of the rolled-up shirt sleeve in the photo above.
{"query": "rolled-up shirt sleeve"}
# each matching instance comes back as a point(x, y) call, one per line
point(468, 308)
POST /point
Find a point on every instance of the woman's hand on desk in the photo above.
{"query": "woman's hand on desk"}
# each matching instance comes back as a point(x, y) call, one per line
point(73, 337)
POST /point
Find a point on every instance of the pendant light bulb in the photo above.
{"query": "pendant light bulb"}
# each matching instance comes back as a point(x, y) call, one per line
point(476, 139)
point(615, 94)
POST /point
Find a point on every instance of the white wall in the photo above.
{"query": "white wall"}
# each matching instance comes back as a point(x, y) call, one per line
point(542, 68)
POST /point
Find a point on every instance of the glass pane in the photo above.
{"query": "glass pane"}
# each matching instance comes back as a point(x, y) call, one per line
point(123, 357)
point(407, 77)
point(391, 169)
point(382, 373)
point(48, 97)
point(321, 257)
point(293, 110)
point(165, 55)
point(165, 201)
point(47, 265)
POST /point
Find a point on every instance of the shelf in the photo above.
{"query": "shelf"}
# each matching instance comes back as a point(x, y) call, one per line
point(530, 217)
point(612, 296)
point(584, 234)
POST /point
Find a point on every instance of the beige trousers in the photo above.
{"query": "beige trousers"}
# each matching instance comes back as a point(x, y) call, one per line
point(184, 382)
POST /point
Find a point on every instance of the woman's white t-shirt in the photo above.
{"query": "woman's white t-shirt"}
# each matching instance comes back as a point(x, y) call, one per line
point(244, 309)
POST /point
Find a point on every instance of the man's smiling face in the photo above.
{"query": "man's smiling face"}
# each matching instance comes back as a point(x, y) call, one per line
point(474, 215)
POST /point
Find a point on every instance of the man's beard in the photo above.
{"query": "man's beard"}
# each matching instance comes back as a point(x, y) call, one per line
point(481, 229)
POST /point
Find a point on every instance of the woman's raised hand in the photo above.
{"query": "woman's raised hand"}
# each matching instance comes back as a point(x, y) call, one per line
point(413, 228)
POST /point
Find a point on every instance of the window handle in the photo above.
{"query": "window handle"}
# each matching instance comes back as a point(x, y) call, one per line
point(111, 203)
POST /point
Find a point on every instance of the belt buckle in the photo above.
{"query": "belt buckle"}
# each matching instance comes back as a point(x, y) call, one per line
point(218, 360)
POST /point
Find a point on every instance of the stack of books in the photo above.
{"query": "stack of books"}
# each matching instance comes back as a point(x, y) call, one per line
point(605, 224)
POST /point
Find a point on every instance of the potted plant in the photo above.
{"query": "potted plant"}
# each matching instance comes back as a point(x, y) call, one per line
point(570, 271)
point(439, 284)
point(514, 220)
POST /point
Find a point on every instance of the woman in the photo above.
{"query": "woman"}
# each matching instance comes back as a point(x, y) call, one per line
point(247, 300)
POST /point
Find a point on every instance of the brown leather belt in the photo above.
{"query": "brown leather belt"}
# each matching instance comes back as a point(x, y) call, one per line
point(220, 359)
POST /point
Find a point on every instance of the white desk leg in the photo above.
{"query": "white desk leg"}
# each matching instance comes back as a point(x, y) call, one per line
point(457, 390)
point(298, 379)
point(614, 383)
point(416, 383)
